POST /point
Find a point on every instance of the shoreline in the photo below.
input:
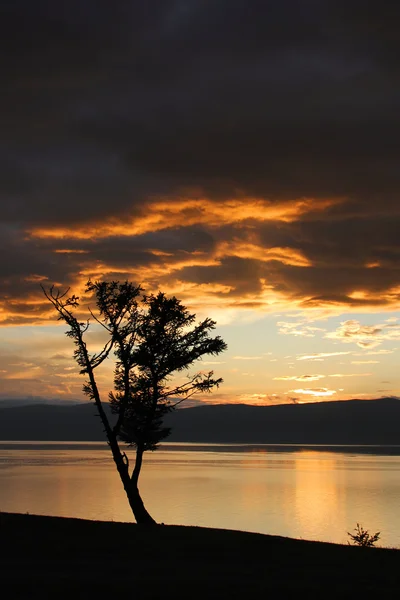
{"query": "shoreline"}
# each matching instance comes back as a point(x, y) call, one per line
point(374, 449)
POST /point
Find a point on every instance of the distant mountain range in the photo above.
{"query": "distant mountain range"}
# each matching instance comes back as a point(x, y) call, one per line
point(10, 402)
point(353, 422)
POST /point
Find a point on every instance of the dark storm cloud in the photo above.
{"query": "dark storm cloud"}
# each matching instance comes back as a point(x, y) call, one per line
point(242, 275)
point(170, 242)
point(106, 106)
point(107, 102)
point(352, 242)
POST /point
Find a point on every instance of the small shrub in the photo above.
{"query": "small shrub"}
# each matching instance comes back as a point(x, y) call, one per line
point(362, 537)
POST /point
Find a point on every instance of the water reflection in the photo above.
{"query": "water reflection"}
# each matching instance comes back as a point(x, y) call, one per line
point(305, 493)
point(317, 493)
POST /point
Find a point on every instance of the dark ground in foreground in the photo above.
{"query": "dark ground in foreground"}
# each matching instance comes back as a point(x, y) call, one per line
point(52, 557)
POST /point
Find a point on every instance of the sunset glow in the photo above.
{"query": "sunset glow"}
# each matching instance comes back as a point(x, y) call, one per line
point(249, 167)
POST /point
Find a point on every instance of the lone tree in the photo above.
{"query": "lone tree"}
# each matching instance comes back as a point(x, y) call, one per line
point(152, 338)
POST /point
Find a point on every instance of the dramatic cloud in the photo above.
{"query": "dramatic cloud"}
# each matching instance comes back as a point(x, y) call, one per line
point(242, 156)
point(197, 143)
point(186, 212)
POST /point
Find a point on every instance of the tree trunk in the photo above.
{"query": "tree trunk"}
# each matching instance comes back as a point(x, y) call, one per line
point(141, 515)
point(130, 484)
point(136, 503)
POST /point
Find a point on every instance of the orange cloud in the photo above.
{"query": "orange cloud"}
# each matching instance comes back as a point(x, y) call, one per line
point(362, 299)
point(23, 311)
point(252, 276)
point(177, 212)
point(287, 256)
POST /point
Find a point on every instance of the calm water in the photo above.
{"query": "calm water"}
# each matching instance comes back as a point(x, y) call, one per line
point(313, 493)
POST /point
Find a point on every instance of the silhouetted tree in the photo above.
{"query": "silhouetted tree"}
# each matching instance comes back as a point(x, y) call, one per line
point(152, 338)
point(362, 537)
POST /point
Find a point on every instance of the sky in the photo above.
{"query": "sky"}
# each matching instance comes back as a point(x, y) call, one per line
point(241, 155)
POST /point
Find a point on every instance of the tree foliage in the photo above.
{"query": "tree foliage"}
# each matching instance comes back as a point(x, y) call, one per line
point(153, 337)
point(165, 342)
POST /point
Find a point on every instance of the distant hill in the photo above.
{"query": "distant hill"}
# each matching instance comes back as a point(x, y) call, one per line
point(51, 422)
point(348, 422)
point(359, 422)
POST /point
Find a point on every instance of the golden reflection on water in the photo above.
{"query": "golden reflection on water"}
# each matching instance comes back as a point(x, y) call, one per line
point(317, 493)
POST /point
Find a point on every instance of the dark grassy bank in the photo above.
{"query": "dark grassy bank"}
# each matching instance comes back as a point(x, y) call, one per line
point(49, 557)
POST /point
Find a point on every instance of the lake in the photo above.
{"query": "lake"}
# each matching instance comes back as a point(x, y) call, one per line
point(314, 493)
